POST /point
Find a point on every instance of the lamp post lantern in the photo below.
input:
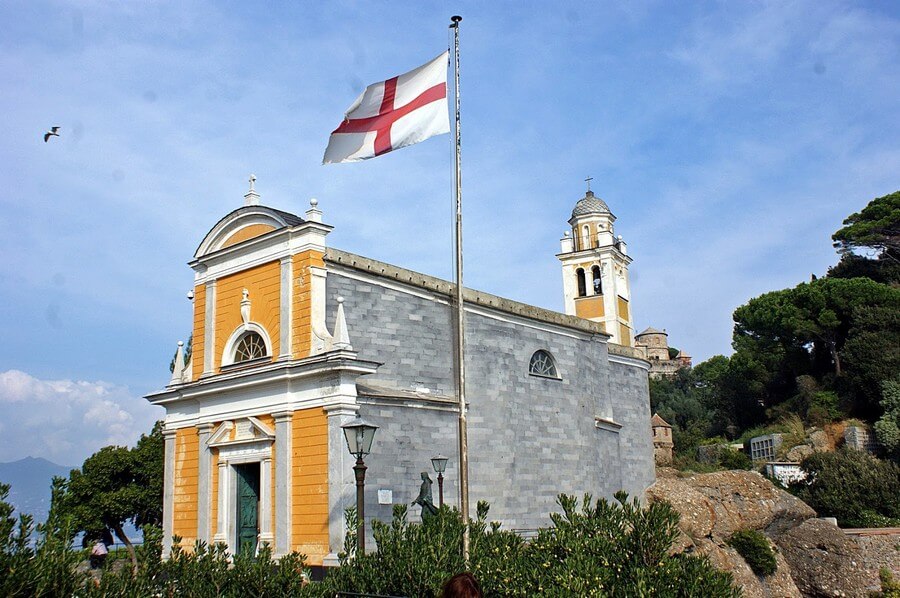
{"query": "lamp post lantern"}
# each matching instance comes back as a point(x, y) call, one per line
point(359, 435)
point(439, 463)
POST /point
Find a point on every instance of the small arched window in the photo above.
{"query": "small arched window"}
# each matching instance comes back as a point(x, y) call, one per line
point(598, 284)
point(586, 237)
point(251, 346)
point(582, 287)
point(542, 364)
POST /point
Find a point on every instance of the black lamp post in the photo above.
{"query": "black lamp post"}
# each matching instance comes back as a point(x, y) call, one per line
point(359, 434)
point(439, 463)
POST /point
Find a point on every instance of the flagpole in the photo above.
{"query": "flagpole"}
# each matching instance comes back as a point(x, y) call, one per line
point(460, 315)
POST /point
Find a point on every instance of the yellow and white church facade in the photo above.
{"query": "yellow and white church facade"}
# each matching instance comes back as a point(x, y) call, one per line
point(292, 338)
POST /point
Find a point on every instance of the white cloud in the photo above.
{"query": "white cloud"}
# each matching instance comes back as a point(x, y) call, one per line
point(67, 420)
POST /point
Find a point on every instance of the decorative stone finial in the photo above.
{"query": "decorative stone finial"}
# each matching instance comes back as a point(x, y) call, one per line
point(314, 214)
point(341, 336)
point(251, 198)
point(178, 365)
point(245, 306)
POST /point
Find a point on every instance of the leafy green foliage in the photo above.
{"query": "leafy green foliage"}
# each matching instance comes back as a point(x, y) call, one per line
point(890, 588)
point(115, 485)
point(876, 227)
point(887, 428)
point(856, 488)
point(872, 355)
point(883, 269)
point(592, 549)
point(755, 549)
point(49, 567)
point(841, 332)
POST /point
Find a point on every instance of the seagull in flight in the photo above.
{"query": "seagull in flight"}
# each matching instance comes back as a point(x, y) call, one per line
point(51, 133)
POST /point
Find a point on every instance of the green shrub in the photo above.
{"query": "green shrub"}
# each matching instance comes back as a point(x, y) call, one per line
point(592, 549)
point(732, 459)
point(889, 587)
point(853, 486)
point(755, 549)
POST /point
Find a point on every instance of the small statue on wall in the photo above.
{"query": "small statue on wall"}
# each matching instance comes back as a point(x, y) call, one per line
point(425, 499)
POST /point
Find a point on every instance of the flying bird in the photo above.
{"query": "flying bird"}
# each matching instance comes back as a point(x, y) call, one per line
point(51, 133)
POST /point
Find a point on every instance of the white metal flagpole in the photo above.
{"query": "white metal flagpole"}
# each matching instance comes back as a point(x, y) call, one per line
point(460, 315)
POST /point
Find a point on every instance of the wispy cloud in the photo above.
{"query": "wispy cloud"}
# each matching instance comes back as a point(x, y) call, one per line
point(67, 420)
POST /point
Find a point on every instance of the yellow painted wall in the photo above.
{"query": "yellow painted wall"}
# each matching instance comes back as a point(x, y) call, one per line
point(264, 284)
point(198, 343)
point(624, 336)
point(302, 308)
point(248, 232)
point(309, 509)
point(186, 471)
point(589, 307)
point(623, 309)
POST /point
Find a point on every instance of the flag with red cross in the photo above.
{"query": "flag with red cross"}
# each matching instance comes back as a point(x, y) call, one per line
point(392, 114)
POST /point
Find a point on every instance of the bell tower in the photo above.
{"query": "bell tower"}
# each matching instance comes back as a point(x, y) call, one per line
point(595, 269)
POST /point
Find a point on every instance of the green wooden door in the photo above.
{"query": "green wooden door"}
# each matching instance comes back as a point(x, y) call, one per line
point(247, 507)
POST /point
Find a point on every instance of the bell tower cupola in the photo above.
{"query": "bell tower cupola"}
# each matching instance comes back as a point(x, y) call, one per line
point(595, 269)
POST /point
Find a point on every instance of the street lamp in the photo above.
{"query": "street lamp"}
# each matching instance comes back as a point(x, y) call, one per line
point(359, 434)
point(439, 463)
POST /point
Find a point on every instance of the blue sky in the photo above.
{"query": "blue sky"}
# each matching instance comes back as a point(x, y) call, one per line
point(729, 138)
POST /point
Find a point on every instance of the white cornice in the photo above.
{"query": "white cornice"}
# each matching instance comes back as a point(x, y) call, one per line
point(271, 246)
point(590, 254)
point(632, 361)
point(335, 362)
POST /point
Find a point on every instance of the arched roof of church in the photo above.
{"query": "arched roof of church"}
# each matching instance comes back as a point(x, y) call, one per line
point(245, 223)
point(590, 204)
point(652, 330)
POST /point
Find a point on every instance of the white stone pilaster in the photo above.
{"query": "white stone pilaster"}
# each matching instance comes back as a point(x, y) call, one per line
point(168, 491)
point(265, 502)
point(283, 482)
point(222, 518)
point(286, 313)
point(204, 483)
point(209, 329)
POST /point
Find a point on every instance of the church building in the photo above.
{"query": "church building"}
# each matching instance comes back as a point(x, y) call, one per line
point(293, 338)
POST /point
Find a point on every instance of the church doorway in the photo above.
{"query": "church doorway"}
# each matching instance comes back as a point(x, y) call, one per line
point(247, 508)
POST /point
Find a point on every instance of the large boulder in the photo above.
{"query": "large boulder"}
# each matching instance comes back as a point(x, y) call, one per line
point(814, 557)
point(725, 558)
point(721, 503)
point(823, 560)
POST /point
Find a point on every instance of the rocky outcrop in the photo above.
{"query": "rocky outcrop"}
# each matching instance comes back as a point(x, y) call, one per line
point(815, 558)
point(824, 561)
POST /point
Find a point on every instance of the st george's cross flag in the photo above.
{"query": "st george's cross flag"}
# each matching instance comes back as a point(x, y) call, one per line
point(392, 114)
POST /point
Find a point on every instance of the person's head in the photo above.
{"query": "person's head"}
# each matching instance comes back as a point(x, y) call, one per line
point(462, 585)
point(425, 476)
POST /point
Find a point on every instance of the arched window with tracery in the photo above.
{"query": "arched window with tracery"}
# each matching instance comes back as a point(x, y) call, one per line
point(582, 287)
point(598, 284)
point(543, 364)
point(251, 346)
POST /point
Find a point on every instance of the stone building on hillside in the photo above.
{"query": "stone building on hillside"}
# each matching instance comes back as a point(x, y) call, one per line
point(655, 344)
point(662, 440)
point(293, 338)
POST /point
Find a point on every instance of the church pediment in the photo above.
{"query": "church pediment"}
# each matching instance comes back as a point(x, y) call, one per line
point(241, 431)
point(245, 223)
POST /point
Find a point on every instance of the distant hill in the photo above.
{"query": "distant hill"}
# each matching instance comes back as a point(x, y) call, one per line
point(29, 481)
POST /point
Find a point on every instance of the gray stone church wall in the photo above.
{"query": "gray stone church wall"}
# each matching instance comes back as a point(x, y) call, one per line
point(530, 437)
